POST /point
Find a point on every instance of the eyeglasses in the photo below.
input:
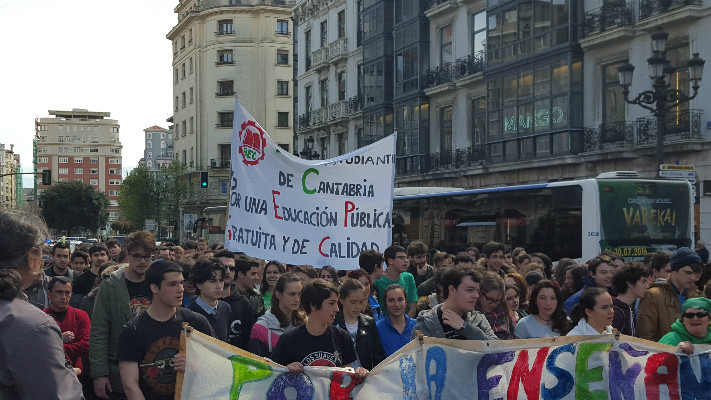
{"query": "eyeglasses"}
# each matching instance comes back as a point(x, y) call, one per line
point(491, 301)
point(139, 257)
point(700, 314)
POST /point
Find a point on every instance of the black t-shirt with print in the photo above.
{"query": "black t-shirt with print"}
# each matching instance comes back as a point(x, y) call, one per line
point(140, 295)
point(333, 348)
point(449, 332)
point(152, 344)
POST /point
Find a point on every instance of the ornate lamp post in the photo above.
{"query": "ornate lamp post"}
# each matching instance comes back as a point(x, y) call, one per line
point(308, 152)
point(662, 98)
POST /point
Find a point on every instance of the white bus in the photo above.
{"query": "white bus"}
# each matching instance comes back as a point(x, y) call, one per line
point(617, 211)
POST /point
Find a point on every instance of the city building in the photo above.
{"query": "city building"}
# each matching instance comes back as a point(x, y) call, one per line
point(223, 49)
point(9, 167)
point(81, 145)
point(158, 148)
point(502, 92)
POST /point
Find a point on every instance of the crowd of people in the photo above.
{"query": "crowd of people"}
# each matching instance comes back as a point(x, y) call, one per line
point(104, 320)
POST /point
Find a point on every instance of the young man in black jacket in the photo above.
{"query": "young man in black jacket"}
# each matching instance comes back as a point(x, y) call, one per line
point(246, 303)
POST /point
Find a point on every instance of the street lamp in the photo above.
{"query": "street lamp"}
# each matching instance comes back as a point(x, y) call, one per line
point(308, 152)
point(662, 98)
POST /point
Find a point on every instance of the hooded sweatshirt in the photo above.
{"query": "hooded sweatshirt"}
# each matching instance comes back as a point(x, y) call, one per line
point(583, 328)
point(679, 334)
point(265, 334)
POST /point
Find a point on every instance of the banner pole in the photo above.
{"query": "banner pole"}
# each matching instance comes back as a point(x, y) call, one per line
point(185, 332)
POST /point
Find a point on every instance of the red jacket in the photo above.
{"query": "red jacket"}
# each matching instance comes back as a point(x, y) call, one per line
point(76, 321)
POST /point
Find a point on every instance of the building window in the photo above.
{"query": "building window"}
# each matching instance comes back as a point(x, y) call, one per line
point(63, 160)
point(115, 150)
point(282, 57)
point(478, 114)
point(93, 181)
point(191, 95)
point(63, 171)
point(114, 171)
point(190, 63)
point(176, 103)
point(224, 57)
point(93, 149)
point(324, 92)
point(94, 160)
point(323, 145)
point(307, 48)
point(478, 33)
point(42, 160)
point(114, 129)
point(341, 77)
point(282, 88)
point(342, 24)
point(176, 76)
point(342, 141)
point(79, 171)
point(225, 119)
point(308, 97)
point(78, 160)
point(183, 98)
point(182, 42)
point(114, 161)
point(225, 88)
point(149, 135)
point(225, 27)
point(62, 149)
point(93, 171)
point(116, 182)
point(283, 119)
point(182, 70)
point(613, 101)
point(79, 180)
point(446, 134)
point(192, 125)
point(78, 149)
point(185, 129)
point(445, 45)
point(324, 34)
point(282, 27)
point(113, 192)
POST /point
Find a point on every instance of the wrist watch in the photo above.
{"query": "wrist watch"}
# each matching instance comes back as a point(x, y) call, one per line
point(464, 325)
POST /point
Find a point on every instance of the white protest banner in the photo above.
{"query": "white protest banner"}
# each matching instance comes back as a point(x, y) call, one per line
point(316, 212)
point(579, 367)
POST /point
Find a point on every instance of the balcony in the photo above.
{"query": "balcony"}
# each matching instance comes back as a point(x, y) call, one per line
point(681, 125)
point(338, 50)
point(219, 163)
point(435, 7)
point(225, 93)
point(319, 59)
point(652, 8)
point(607, 17)
point(613, 135)
point(329, 115)
point(439, 76)
point(466, 157)
point(469, 65)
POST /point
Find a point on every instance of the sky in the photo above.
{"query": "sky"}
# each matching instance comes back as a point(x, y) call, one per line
point(97, 55)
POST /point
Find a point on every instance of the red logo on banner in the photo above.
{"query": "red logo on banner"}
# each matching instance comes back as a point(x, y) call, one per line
point(254, 143)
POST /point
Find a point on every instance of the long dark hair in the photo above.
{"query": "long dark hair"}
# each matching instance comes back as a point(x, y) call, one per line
point(577, 272)
point(264, 287)
point(559, 319)
point(297, 317)
point(588, 299)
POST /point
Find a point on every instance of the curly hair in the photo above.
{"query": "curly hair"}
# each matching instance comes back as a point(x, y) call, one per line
point(559, 319)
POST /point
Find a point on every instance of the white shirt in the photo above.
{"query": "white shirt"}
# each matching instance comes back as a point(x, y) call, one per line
point(583, 328)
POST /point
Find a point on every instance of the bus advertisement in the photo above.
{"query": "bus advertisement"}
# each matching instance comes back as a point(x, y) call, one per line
point(618, 212)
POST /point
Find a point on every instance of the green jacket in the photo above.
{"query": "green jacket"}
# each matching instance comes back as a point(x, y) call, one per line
point(111, 311)
point(680, 334)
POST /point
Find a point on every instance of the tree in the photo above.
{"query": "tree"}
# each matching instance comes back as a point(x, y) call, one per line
point(122, 227)
point(137, 198)
point(70, 207)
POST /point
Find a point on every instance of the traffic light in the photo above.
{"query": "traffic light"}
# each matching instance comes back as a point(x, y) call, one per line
point(47, 177)
point(203, 179)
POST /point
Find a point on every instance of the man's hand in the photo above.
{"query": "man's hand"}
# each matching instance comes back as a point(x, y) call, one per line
point(361, 373)
point(179, 362)
point(67, 337)
point(451, 318)
point(296, 368)
point(102, 387)
point(686, 348)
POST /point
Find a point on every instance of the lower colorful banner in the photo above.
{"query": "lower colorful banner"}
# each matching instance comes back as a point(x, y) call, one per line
point(579, 367)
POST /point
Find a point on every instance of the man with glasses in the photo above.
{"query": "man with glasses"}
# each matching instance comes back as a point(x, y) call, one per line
point(122, 296)
point(397, 261)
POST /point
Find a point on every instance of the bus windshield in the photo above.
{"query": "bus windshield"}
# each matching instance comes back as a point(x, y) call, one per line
point(642, 216)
